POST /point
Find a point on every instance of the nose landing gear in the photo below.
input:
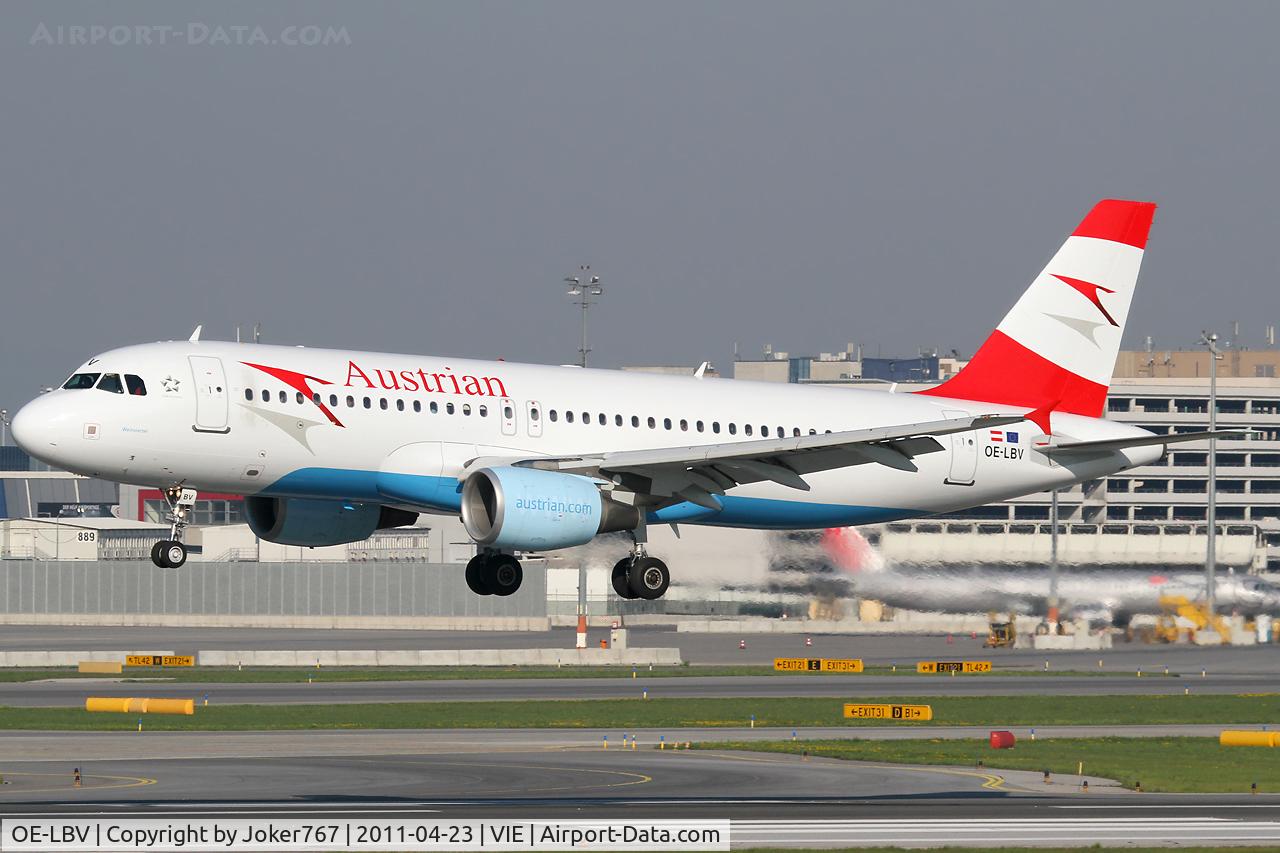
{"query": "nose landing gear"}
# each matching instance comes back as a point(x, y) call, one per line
point(171, 553)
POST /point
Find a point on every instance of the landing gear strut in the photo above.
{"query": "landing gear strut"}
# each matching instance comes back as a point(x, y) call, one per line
point(640, 576)
point(494, 573)
point(171, 553)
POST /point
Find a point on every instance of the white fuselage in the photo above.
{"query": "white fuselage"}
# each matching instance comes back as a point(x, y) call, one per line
point(313, 423)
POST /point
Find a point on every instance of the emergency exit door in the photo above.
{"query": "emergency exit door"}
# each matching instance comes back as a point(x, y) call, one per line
point(211, 394)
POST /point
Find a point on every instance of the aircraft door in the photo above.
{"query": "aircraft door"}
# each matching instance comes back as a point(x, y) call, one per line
point(533, 418)
point(211, 394)
point(964, 454)
point(508, 415)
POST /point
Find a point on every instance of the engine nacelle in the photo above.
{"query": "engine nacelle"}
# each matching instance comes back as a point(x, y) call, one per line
point(528, 509)
point(315, 523)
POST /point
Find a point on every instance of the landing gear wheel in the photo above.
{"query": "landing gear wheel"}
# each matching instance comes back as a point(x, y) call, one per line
point(502, 574)
point(157, 555)
point(475, 575)
point(173, 554)
point(620, 570)
point(648, 578)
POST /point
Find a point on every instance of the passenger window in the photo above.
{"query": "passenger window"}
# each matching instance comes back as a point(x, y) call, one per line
point(284, 398)
point(466, 409)
point(533, 413)
point(448, 408)
point(484, 412)
point(368, 404)
point(635, 421)
point(435, 407)
point(554, 416)
point(266, 396)
point(111, 382)
point(617, 420)
point(81, 381)
point(699, 426)
point(733, 429)
point(315, 398)
point(715, 427)
point(652, 423)
point(813, 432)
point(333, 399)
point(248, 394)
point(795, 431)
point(351, 402)
point(399, 405)
point(684, 425)
point(603, 420)
point(137, 388)
point(300, 398)
point(747, 429)
point(666, 423)
point(382, 404)
point(568, 416)
point(508, 413)
point(586, 417)
point(417, 405)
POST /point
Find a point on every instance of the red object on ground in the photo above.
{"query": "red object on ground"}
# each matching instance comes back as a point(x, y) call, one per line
point(950, 640)
point(1002, 740)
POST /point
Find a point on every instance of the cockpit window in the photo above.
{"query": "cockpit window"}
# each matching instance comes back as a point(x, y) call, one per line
point(111, 382)
point(81, 381)
point(136, 386)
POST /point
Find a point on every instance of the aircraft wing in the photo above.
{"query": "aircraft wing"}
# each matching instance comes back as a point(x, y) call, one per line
point(1106, 445)
point(700, 472)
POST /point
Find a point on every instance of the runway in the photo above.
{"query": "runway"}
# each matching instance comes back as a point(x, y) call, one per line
point(718, 649)
point(72, 692)
point(772, 799)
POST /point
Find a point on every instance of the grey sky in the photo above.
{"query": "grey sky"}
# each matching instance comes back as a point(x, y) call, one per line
point(803, 174)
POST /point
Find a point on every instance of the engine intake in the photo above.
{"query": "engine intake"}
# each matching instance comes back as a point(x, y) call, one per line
point(317, 523)
point(528, 509)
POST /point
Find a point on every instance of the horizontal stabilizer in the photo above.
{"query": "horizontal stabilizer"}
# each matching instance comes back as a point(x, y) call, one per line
point(1139, 441)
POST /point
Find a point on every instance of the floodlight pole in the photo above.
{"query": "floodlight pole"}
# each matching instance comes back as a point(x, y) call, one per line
point(1210, 341)
point(1053, 559)
point(584, 285)
point(4, 427)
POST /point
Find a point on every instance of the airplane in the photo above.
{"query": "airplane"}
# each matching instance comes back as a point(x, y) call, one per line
point(1099, 596)
point(330, 445)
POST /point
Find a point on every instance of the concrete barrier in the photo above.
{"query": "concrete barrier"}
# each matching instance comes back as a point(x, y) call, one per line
point(926, 624)
point(1248, 738)
point(205, 620)
point(42, 659)
point(440, 657)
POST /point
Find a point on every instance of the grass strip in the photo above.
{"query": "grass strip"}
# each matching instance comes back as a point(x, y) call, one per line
point(1184, 765)
point(670, 713)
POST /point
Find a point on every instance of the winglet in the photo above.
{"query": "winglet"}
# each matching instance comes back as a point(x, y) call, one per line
point(195, 336)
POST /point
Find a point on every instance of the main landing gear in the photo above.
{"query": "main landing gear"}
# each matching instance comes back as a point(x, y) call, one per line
point(171, 553)
point(640, 576)
point(494, 573)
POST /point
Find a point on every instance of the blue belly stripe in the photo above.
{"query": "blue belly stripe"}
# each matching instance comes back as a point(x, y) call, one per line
point(444, 493)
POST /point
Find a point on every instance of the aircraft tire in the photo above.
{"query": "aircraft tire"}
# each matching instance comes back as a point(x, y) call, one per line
point(157, 555)
point(174, 553)
point(475, 575)
point(648, 578)
point(503, 574)
point(620, 585)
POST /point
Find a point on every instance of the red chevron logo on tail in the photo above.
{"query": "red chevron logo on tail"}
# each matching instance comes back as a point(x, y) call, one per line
point(1089, 291)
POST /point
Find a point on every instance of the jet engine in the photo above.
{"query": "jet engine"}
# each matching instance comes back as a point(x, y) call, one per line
point(528, 509)
point(314, 523)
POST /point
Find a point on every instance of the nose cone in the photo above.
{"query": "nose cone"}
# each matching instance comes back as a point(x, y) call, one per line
point(24, 429)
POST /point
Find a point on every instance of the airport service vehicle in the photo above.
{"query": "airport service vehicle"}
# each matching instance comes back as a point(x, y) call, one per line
point(330, 445)
point(1101, 597)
